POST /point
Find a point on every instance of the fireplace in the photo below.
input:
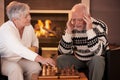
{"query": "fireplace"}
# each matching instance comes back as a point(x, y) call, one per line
point(49, 27)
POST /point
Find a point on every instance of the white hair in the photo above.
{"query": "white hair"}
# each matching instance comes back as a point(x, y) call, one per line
point(16, 9)
point(79, 8)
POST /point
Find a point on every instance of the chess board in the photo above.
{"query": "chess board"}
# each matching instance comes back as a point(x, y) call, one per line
point(81, 76)
point(48, 70)
point(52, 73)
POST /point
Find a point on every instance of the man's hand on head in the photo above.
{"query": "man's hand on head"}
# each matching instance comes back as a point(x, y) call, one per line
point(70, 27)
point(88, 21)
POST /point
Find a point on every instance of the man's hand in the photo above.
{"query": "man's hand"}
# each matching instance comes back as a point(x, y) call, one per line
point(88, 21)
point(70, 27)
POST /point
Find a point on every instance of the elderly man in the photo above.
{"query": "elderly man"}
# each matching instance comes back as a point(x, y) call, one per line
point(84, 43)
point(16, 40)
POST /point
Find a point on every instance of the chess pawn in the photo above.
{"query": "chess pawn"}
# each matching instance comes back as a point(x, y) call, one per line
point(56, 69)
point(62, 72)
point(67, 71)
point(76, 72)
point(72, 70)
point(44, 70)
point(48, 70)
point(52, 71)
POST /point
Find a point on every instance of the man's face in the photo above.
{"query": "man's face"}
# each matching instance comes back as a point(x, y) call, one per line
point(77, 20)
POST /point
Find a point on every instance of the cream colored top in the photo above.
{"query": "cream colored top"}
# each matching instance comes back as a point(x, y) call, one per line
point(11, 46)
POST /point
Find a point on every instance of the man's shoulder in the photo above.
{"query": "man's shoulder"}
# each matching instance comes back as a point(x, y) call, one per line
point(100, 25)
point(99, 22)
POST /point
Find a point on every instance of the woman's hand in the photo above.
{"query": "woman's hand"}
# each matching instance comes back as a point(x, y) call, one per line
point(48, 61)
point(45, 61)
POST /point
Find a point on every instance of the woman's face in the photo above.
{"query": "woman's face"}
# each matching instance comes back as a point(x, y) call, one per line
point(23, 20)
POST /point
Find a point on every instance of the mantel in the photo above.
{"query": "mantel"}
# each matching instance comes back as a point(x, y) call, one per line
point(50, 11)
point(86, 2)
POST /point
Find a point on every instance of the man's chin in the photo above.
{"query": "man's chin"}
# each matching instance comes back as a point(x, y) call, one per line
point(79, 28)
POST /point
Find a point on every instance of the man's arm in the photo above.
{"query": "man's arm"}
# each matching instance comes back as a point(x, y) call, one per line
point(97, 37)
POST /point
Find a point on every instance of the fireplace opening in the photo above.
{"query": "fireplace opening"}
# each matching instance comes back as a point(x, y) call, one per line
point(49, 27)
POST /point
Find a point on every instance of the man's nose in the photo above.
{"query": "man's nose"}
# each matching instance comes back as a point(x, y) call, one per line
point(77, 22)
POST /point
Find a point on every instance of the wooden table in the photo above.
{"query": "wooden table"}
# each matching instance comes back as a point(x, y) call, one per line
point(81, 76)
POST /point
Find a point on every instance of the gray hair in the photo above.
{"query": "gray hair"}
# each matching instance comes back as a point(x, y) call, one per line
point(16, 9)
point(79, 8)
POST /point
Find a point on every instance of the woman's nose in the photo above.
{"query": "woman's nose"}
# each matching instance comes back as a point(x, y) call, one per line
point(29, 17)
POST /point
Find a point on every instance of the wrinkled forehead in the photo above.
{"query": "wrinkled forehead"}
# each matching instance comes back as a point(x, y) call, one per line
point(78, 11)
point(77, 14)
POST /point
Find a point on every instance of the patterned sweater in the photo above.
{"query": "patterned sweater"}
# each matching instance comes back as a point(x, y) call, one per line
point(85, 44)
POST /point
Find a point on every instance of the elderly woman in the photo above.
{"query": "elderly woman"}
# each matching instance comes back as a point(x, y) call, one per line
point(84, 43)
point(16, 39)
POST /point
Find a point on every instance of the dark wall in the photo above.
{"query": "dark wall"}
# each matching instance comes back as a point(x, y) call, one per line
point(109, 12)
point(48, 4)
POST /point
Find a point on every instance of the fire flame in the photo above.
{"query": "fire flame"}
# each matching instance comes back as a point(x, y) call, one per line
point(42, 30)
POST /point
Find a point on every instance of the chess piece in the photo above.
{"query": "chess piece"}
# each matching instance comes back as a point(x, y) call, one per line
point(73, 70)
point(56, 69)
point(62, 72)
point(48, 70)
point(52, 71)
point(67, 71)
point(44, 70)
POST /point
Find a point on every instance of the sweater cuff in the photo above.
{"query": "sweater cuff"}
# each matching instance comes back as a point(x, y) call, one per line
point(91, 34)
point(34, 57)
point(67, 37)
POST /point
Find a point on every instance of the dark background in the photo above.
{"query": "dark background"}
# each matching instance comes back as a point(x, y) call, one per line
point(109, 12)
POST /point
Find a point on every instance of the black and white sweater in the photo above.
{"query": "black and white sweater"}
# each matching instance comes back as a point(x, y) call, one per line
point(85, 44)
